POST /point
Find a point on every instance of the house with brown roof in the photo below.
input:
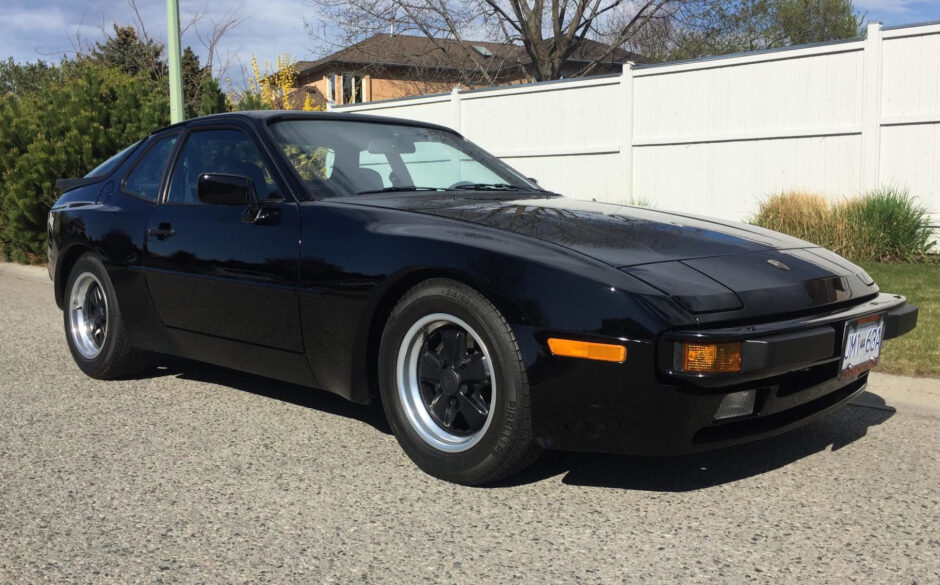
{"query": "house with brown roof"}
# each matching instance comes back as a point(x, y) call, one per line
point(387, 66)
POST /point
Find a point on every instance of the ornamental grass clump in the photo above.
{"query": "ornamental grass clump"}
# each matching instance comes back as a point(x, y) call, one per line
point(887, 225)
point(804, 215)
point(883, 225)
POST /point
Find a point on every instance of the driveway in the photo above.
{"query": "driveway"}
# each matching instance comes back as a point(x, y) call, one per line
point(195, 474)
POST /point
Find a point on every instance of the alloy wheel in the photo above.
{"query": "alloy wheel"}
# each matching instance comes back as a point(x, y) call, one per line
point(445, 382)
point(88, 315)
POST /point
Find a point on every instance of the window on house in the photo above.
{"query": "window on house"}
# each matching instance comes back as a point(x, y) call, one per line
point(331, 88)
point(352, 89)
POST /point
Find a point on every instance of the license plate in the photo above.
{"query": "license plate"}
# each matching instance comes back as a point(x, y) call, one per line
point(861, 346)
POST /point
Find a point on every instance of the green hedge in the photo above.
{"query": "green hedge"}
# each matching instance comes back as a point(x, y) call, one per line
point(65, 130)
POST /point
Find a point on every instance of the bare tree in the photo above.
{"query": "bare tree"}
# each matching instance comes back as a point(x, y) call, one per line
point(692, 29)
point(449, 51)
point(569, 22)
point(655, 41)
point(210, 31)
point(549, 33)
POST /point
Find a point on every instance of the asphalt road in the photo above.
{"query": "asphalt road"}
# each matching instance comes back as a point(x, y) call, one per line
point(195, 474)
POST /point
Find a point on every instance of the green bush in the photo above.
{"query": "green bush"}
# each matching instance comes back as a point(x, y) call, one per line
point(65, 131)
point(61, 120)
point(884, 225)
point(887, 225)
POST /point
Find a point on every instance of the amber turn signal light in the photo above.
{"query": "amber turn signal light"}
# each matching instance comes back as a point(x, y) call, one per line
point(604, 352)
point(711, 358)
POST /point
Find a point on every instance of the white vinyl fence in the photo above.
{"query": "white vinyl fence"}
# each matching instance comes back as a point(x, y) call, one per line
point(714, 136)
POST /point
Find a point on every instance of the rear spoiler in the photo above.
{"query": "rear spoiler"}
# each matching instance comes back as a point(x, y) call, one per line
point(63, 185)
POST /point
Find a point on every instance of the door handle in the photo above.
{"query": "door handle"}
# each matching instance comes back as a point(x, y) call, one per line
point(162, 232)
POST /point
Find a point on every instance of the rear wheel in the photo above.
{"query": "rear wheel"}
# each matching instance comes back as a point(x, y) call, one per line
point(453, 385)
point(94, 327)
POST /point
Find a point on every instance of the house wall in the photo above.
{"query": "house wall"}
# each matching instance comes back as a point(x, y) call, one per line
point(715, 136)
point(319, 91)
point(320, 84)
point(381, 87)
point(391, 83)
point(386, 88)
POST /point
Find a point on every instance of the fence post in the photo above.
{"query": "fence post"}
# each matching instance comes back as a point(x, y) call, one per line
point(455, 109)
point(625, 132)
point(871, 109)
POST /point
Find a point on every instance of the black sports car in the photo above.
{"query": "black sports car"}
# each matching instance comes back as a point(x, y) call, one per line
point(382, 258)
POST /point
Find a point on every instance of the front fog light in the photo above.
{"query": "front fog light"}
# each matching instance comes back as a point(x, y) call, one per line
point(736, 404)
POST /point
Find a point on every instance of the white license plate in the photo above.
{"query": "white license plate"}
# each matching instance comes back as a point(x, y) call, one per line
point(861, 346)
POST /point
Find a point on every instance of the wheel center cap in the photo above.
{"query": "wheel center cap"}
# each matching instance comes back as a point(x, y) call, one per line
point(450, 382)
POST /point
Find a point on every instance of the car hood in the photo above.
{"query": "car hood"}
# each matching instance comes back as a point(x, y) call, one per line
point(707, 265)
point(617, 235)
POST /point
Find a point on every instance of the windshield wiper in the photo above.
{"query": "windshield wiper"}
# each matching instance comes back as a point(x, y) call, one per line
point(401, 188)
point(488, 187)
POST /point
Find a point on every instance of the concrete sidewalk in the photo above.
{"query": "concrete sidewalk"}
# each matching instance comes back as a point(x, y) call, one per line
point(905, 393)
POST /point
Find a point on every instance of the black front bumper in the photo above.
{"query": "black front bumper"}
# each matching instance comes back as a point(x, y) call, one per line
point(793, 365)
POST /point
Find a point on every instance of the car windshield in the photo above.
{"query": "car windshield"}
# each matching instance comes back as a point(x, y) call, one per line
point(341, 158)
point(112, 163)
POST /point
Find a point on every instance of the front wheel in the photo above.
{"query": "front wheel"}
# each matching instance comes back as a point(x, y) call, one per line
point(94, 326)
point(453, 385)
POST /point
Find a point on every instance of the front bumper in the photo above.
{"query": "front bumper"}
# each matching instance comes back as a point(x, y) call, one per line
point(792, 365)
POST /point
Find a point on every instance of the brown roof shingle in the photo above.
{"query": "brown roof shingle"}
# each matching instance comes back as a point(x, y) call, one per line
point(384, 50)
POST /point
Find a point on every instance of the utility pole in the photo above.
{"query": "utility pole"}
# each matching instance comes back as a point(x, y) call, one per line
point(177, 113)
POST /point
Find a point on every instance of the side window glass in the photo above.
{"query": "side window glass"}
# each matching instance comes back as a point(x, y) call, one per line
point(144, 180)
point(229, 152)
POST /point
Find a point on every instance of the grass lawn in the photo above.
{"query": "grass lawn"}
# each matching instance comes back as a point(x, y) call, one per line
point(918, 352)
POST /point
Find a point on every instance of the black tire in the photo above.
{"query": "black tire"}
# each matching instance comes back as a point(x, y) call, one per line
point(451, 440)
point(94, 327)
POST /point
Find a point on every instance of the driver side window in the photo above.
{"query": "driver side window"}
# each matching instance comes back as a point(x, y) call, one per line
point(228, 152)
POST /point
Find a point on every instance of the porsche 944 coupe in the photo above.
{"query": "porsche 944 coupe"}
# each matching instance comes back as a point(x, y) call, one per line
point(394, 260)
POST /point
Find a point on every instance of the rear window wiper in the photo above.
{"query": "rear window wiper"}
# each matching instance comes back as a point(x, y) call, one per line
point(401, 188)
point(488, 187)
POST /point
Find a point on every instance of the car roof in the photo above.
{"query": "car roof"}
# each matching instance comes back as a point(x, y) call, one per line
point(268, 116)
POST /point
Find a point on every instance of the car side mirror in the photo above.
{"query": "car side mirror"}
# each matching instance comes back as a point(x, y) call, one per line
point(219, 189)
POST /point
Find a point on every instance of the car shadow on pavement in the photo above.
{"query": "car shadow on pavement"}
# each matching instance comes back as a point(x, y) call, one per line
point(664, 474)
point(685, 473)
point(166, 365)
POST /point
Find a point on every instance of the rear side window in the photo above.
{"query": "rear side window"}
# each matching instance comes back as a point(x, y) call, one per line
point(144, 180)
point(112, 163)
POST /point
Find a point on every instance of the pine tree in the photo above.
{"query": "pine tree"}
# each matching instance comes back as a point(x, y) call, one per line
point(193, 74)
point(212, 100)
point(127, 52)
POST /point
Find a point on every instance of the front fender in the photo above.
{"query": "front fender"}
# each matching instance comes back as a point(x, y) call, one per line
point(356, 262)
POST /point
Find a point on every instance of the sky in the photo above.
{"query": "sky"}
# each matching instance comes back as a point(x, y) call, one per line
point(44, 29)
point(899, 12)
